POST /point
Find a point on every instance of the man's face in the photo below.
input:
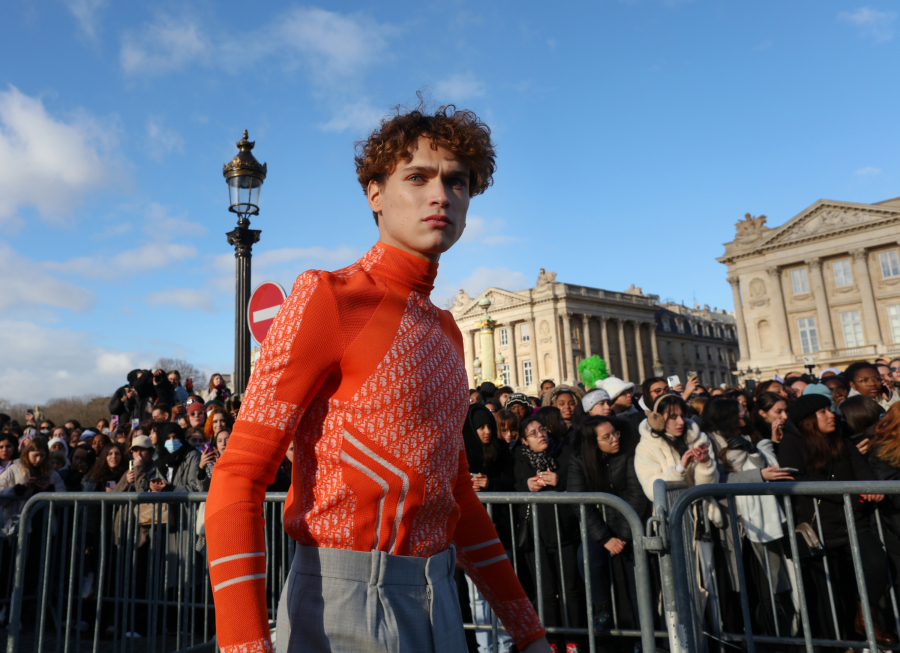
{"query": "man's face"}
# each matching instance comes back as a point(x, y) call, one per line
point(142, 456)
point(422, 205)
point(546, 385)
point(159, 416)
point(895, 372)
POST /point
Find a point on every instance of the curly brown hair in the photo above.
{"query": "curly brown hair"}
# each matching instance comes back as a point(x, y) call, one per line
point(459, 131)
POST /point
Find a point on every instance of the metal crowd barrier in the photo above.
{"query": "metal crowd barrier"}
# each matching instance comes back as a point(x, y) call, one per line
point(691, 631)
point(86, 571)
point(641, 545)
point(120, 572)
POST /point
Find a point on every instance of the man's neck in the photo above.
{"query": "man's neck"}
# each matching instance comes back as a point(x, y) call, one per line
point(425, 256)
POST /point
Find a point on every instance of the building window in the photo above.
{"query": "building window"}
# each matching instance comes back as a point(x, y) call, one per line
point(721, 358)
point(504, 373)
point(684, 351)
point(526, 334)
point(809, 339)
point(894, 321)
point(800, 281)
point(712, 378)
point(504, 338)
point(526, 372)
point(679, 324)
point(665, 324)
point(851, 325)
point(694, 329)
point(708, 353)
point(843, 276)
point(697, 351)
point(890, 266)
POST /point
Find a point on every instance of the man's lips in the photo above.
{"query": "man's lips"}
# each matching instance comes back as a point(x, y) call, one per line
point(438, 220)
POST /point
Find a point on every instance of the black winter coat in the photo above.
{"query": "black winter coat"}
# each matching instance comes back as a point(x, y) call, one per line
point(617, 477)
point(568, 521)
point(852, 467)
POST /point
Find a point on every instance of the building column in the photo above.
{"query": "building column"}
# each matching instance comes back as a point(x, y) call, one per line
point(604, 338)
point(654, 348)
point(823, 315)
point(778, 310)
point(470, 357)
point(624, 359)
point(739, 319)
point(586, 330)
point(567, 348)
point(639, 351)
point(870, 319)
point(513, 361)
point(535, 364)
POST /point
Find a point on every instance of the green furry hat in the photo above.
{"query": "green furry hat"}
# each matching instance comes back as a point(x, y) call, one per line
point(591, 370)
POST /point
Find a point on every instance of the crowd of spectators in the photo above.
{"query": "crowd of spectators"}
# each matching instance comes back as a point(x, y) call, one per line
point(617, 438)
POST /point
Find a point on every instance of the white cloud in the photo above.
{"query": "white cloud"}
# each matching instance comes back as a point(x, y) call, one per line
point(867, 172)
point(186, 299)
point(161, 225)
point(486, 232)
point(161, 140)
point(877, 25)
point(24, 285)
point(500, 277)
point(341, 255)
point(51, 164)
point(459, 87)
point(85, 12)
point(357, 116)
point(166, 45)
point(40, 363)
point(147, 257)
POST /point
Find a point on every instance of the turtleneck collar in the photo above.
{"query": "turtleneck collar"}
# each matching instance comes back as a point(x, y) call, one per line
point(404, 268)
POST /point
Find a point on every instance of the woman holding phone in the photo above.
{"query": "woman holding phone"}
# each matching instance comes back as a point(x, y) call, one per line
point(769, 418)
point(672, 447)
point(110, 466)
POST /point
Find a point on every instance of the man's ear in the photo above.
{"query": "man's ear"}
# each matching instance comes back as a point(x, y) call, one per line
point(373, 192)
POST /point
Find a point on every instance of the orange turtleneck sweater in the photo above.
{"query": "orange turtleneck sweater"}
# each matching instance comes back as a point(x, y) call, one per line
point(366, 376)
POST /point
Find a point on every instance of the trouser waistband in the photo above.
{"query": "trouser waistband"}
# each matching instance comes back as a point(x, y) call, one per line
point(374, 567)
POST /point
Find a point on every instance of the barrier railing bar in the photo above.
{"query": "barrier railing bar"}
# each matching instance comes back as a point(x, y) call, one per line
point(860, 578)
point(798, 574)
point(739, 559)
point(891, 589)
point(827, 564)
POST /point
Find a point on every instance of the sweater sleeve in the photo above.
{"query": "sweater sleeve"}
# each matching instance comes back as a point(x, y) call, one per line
point(302, 347)
point(482, 555)
point(649, 469)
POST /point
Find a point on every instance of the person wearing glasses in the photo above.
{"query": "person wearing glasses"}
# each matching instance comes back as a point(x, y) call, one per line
point(865, 379)
point(541, 465)
point(604, 462)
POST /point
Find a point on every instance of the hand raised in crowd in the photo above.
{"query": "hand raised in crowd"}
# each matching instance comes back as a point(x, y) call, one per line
point(863, 446)
point(479, 482)
point(775, 473)
point(615, 546)
point(208, 457)
point(777, 432)
point(129, 476)
point(691, 387)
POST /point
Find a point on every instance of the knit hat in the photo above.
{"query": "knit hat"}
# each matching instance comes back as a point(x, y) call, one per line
point(615, 386)
point(87, 435)
point(551, 394)
point(481, 417)
point(806, 405)
point(819, 389)
point(61, 441)
point(517, 398)
point(487, 390)
point(593, 398)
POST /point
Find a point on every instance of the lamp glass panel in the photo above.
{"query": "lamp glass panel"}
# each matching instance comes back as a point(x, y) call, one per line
point(243, 192)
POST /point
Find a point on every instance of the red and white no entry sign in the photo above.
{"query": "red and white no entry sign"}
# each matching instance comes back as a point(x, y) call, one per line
point(263, 307)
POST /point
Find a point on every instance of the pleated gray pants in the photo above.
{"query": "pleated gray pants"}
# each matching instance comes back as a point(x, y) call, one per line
point(355, 602)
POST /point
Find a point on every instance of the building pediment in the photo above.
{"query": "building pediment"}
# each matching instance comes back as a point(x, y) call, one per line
point(500, 300)
point(824, 219)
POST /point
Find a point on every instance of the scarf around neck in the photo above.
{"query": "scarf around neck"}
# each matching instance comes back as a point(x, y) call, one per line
point(541, 461)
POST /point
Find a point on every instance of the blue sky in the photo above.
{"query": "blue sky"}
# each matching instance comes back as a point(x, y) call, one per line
point(631, 137)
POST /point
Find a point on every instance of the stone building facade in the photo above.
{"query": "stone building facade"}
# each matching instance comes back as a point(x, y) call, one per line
point(824, 287)
point(544, 332)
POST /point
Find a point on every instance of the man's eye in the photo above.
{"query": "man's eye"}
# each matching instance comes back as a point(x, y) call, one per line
point(416, 178)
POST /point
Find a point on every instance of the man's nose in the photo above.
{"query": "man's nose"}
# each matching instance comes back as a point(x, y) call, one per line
point(440, 196)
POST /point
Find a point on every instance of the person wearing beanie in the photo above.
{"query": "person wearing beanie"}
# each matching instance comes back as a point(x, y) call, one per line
point(596, 403)
point(820, 389)
point(517, 402)
point(819, 452)
point(621, 394)
point(178, 462)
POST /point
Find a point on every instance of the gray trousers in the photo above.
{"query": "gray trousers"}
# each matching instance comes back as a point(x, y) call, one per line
point(351, 601)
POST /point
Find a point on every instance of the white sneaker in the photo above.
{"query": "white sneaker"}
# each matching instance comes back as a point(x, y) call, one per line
point(133, 635)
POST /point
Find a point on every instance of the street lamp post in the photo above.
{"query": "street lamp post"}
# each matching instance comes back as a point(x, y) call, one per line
point(244, 176)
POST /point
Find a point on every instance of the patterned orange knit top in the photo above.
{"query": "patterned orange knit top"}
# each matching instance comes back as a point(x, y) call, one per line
point(365, 374)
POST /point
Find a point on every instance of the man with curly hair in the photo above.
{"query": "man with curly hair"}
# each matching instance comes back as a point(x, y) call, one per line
point(365, 376)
